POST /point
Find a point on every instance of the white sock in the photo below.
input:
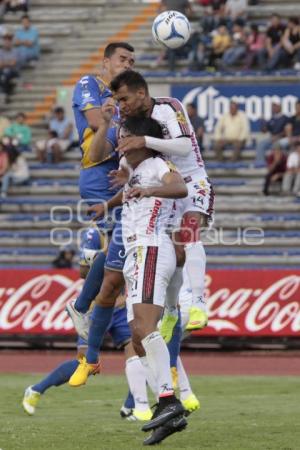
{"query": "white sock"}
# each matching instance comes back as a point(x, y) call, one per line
point(183, 381)
point(136, 378)
point(150, 377)
point(195, 263)
point(158, 357)
point(172, 293)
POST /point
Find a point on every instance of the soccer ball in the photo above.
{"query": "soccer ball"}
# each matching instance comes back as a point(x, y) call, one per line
point(171, 29)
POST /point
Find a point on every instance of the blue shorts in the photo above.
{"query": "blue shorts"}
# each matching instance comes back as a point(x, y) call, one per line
point(115, 257)
point(118, 329)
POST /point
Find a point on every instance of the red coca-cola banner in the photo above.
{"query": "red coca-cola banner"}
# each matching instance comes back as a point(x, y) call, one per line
point(240, 302)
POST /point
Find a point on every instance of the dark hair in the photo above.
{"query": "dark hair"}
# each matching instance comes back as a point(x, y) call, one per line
point(254, 27)
point(58, 109)
point(143, 126)
point(13, 154)
point(25, 16)
point(192, 105)
point(133, 80)
point(21, 114)
point(112, 47)
point(294, 20)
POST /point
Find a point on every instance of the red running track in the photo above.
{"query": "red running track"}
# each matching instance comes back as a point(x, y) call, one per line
point(213, 363)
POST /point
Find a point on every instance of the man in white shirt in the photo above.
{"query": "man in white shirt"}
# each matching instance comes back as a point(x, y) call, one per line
point(232, 129)
point(291, 178)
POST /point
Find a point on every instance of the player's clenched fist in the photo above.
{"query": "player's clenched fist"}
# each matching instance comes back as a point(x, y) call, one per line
point(108, 109)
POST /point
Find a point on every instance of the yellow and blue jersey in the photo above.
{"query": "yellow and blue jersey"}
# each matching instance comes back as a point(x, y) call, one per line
point(91, 92)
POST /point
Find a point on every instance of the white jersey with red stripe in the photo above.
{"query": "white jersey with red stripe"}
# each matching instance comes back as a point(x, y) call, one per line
point(146, 221)
point(175, 123)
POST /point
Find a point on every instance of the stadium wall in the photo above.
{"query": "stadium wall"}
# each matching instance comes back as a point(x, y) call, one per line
point(250, 303)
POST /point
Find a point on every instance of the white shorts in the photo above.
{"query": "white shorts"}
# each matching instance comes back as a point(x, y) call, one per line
point(147, 272)
point(44, 144)
point(200, 198)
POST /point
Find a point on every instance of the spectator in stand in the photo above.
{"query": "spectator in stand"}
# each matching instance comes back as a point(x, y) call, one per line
point(255, 42)
point(238, 47)
point(20, 131)
point(8, 65)
point(276, 129)
point(236, 9)
point(276, 163)
point(232, 129)
point(289, 49)
point(13, 6)
point(27, 41)
point(198, 124)
point(4, 161)
point(291, 179)
point(292, 129)
point(220, 43)
point(65, 258)
point(273, 42)
point(17, 172)
point(4, 123)
point(214, 14)
point(60, 138)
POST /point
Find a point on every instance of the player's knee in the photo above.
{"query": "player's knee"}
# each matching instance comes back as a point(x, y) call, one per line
point(111, 287)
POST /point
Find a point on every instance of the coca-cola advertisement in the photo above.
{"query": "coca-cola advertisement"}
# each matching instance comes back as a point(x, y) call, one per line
point(240, 303)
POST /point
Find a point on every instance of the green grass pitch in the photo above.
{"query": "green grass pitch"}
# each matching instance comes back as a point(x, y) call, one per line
point(238, 413)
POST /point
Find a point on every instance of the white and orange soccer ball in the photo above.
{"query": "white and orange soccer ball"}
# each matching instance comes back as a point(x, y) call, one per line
point(171, 29)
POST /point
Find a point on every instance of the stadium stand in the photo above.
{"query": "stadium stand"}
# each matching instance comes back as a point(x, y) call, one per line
point(71, 31)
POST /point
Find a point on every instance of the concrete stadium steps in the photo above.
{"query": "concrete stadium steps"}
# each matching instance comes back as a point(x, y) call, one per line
point(26, 221)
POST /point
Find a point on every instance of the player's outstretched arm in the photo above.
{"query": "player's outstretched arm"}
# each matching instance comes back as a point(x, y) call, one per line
point(102, 208)
point(180, 146)
point(173, 187)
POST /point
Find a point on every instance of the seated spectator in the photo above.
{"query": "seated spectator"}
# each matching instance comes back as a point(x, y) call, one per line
point(20, 131)
point(197, 57)
point(237, 49)
point(236, 9)
point(4, 123)
point(60, 138)
point(288, 49)
point(275, 127)
point(232, 129)
point(27, 41)
point(65, 258)
point(198, 124)
point(4, 160)
point(214, 14)
point(13, 6)
point(291, 179)
point(220, 43)
point(273, 42)
point(17, 172)
point(292, 129)
point(255, 42)
point(8, 65)
point(276, 163)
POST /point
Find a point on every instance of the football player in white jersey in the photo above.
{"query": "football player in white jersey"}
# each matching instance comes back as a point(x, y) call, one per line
point(179, 143)
point(148, 206)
